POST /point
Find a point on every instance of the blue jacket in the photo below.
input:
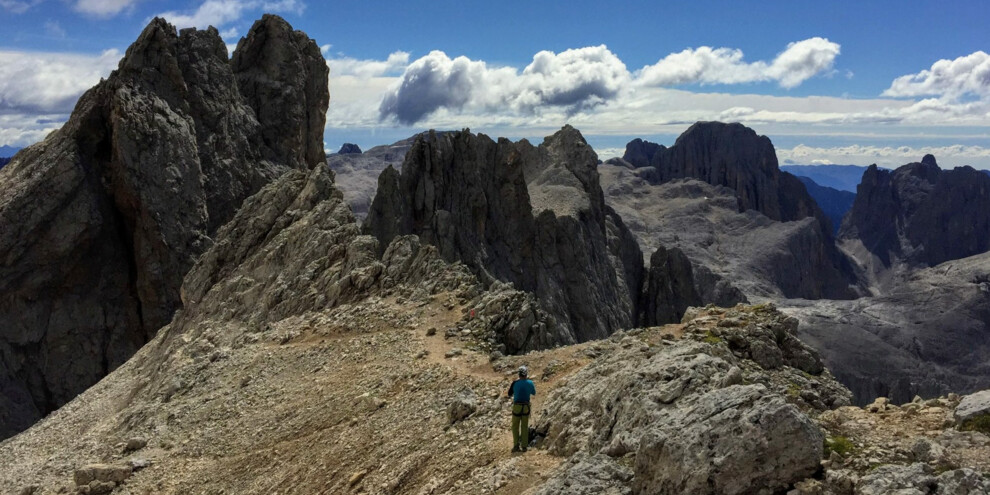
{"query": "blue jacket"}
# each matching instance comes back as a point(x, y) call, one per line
point(521, 389)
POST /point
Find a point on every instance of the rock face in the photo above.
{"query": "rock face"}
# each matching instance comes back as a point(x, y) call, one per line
point(669, 288)
point(734, 255)
point(103, 218)
point(734, 156)
point(531, 216)
point(928, 336)
point(800, 260)
point(684, 415)
point(639, 153)
point(919, 214)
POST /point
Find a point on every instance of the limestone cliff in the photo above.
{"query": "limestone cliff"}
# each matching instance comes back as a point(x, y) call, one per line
point(920, 214)
point(803, 262)
point(103, 218)
point(531, 216)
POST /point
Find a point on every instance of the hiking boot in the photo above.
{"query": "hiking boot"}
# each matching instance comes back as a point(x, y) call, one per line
point(522, 449)
point(515, 448)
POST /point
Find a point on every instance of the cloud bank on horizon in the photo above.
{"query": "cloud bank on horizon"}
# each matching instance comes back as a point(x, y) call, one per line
point(590, 87)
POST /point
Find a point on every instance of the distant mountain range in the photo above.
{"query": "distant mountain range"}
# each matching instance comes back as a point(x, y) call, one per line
point(4, 161)
point(8, 151)
point(841, 177)
point(834, 202)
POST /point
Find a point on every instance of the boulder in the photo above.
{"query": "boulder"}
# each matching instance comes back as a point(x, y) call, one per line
point(463, 405)
point(973, 407)
point(681, 414)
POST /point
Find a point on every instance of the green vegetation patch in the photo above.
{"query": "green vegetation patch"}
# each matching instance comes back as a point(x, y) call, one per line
point(794, 390)
point(979, 423)
point(840, 445)
point(711, 338)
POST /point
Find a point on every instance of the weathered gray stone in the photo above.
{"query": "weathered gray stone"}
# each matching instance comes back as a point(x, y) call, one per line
point(103, 218)
point(668, 289)
point(972, 406)
point(531, 216)
point(463, 405)
point(920, 479)
point(688, 427)
point(920, 214)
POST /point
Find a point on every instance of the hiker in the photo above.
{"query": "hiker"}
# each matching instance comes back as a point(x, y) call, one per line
point(520, 391)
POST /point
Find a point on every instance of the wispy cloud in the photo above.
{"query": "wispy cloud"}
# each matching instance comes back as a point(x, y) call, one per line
point(221, 12)
point(346, 66)
point(18, 6)
point(103, 8)
point(54, 29)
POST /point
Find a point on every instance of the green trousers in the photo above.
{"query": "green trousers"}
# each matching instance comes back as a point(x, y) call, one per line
point(520, 426)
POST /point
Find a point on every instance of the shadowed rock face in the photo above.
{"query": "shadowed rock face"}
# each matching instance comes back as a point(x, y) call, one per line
point(531, 216)
point(920, 214)
point(734, 156)
point(929, 335)
point(792, 254)
point(103, 218)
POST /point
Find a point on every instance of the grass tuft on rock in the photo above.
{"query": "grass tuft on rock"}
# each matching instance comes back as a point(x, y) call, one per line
point(980, 423)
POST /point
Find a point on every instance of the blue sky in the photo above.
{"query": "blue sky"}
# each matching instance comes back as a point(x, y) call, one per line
point(839, 82)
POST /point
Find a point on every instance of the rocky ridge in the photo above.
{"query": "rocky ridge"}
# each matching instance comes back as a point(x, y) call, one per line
point(742, 166)
point(730, 155)
point(104, 217)
point(734, 255)
point(918, 214)
point(357, 173)
point(534, 217)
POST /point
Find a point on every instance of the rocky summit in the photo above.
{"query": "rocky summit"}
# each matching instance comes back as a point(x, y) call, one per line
point(102, 219)
point(919, 214)
point(718, 195)
point(531, 216)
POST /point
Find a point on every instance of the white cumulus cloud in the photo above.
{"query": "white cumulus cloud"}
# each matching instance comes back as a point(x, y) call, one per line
point(45, 83)
point(950, 79)
point(573, 79)
point(799, 62)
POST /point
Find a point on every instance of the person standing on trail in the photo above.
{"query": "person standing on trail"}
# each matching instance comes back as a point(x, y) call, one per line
point(520, 391)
